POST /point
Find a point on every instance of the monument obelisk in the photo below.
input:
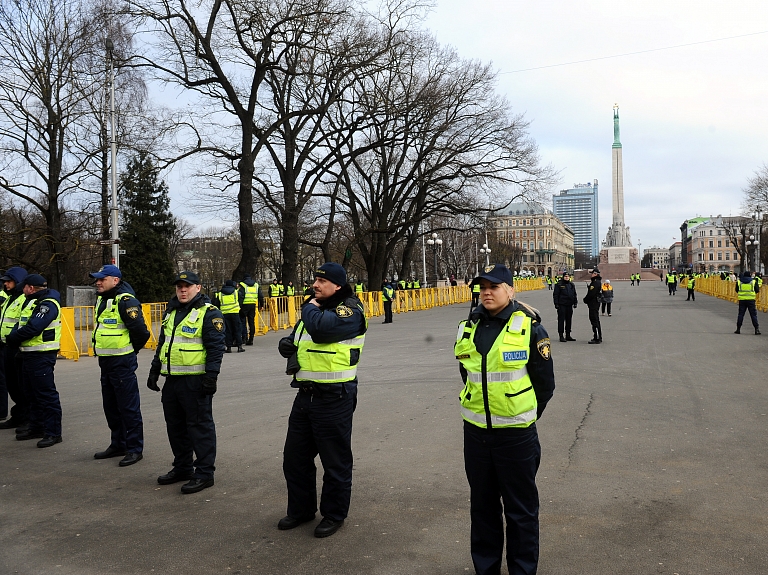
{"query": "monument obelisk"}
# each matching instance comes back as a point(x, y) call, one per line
point(618, 233)
point(618, 259)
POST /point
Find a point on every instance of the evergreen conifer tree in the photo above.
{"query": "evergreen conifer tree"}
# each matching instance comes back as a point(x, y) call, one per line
point(147, 227)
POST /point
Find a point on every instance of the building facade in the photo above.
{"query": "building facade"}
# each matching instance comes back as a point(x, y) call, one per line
point(577, 208)
point(545, 244)
point(659, 257)
point(713, 245)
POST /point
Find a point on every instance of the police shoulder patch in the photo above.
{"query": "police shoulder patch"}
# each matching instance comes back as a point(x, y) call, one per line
point(132, 312)
point(544, 346)
point(44, 309)
point(218, 323)
point(343, 311)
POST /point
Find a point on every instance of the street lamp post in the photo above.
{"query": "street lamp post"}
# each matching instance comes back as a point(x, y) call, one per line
point(758, 239)
point(485, 250)
point(115, 236)
point(435, 242)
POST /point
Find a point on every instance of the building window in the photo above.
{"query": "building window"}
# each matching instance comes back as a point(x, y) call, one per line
point(719, 243)
point(719, 256)
point(702, 244)
point(735, 255)
point(727, 243)
point(711, 244)
point(711, 256)
point(525, 233)
point(727, 256)
point(719, 232)
point(710, 232)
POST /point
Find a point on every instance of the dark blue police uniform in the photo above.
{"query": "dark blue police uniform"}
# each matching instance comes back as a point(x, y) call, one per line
point(37, 369)
point(501, 462)
point(10, 363)
point(320, 422)
point(187, 406)
point(119, 386)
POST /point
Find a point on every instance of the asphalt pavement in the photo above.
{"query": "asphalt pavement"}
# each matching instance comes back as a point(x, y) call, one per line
point(653, 459)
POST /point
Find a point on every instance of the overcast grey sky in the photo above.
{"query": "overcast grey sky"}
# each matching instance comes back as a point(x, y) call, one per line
point(694, 119)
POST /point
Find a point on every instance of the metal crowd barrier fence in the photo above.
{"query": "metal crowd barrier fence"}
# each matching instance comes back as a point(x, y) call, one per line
point(726, 290)
point(277, 314)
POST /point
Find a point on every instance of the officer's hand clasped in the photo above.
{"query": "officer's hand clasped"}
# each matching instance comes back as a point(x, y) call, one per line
point(286, 347)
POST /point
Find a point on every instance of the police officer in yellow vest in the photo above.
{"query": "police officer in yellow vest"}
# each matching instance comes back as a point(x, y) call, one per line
point(327, 343)
point(189, 354)
point(475, 295)
point(275, 288)
point(505, 364)
point(118, 336)
point(387, 295)
point(249, 294)
point(672, 282)
point(747, 290)
point(37, 336)
point(228, 301)
point(691, 285)
point(10, 365)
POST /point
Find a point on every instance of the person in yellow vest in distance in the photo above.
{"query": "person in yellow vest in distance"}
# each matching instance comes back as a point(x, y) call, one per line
point(119, 334)
point(606, 297)
point(249, 296)
point(10, 376)
point(475, 295)
point(275, 288)
point(359, 288)
point(227, 300)
point(387, 295)
point(672, 282)
point(290, 290)
point(401, 284)
point(37, 336)
point(504, 356)
point(691, 286)
point(189, 353)
point(416, 284)
point(747, 290)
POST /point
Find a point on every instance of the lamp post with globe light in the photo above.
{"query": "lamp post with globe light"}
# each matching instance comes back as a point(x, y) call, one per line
point(435, 242)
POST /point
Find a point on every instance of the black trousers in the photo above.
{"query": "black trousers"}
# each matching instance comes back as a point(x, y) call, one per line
point(387, 311)
point(594, 319)
point(121, 401)
point(501, 466)
point(189, 421)
point(744, 305)
point(672, 288)
point(248, 321)
point(232, 330)
point(691, 294)
point(605, 304)
point(44, 405)
point(320, 424)
point(3, 387)
point(12, 365)
point(564, 317)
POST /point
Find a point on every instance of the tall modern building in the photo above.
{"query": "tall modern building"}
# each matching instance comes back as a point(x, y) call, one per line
point(577, 208)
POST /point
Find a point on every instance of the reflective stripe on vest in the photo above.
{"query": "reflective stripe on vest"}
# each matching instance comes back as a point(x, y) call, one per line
point(38, 342)
point(11, 314)
point(505, 385)
point(110, 336)
point(183, 352)
point(251, 294)
point(274, 290)
point(229, 303)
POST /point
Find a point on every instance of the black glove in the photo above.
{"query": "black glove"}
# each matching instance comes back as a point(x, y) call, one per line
point(152, 380)
point(557, 306)
point(292, 365)
point(574, 306)
point(209, 385)
point(286, 347)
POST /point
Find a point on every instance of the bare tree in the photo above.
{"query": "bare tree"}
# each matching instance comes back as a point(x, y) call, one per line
point(44, 90)
point(439, 142)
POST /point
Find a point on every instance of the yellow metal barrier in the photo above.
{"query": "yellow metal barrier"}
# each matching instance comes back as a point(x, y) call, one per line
point(280, 313)
point(726, 290)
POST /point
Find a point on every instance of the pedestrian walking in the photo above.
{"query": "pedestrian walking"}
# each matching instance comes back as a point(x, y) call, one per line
point(189, 354)
point(606, 297)
point(326, 345)
point(119, 334)
point(506, 367)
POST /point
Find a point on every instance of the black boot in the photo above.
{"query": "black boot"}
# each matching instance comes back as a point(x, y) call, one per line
point(568, 337)
point(240, 349)
point(562, 338)
point(228, 350)
point(757, 331)
point(738, 329)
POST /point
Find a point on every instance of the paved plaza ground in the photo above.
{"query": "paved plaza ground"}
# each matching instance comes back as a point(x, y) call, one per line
point(654, 459)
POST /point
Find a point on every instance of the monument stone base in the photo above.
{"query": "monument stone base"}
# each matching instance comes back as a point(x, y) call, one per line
point(615, 264)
